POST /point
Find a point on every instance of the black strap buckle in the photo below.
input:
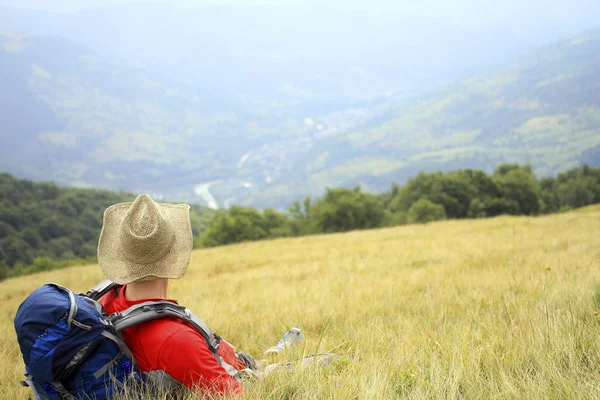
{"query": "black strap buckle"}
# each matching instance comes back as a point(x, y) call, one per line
point(157, 308)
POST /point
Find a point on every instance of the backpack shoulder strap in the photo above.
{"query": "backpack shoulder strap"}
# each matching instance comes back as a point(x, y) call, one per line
point(101, 289)
point(152, 310)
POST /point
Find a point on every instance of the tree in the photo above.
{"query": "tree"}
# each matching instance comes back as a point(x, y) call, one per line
point(477, 209)
point(387, 197)
point(60, 246)
point(51, 228)
point(31, 237)
point(13, 249)
point(42, 264)
point(4, 271)
point(47, 191)
point(342, 210)
point(452, 191)
point(424, 210)
point(395, 219)
point(299, 214)
point(11, 215)
point(77, 240)
point(87, 250)
point(276, 224)
point(239, 224)
point(482, 207)
point(576, 193)
point(300, 210)
point(518, 186)
point(549, 201)
point(482, 184)
point(6, 230)
point(415, 188)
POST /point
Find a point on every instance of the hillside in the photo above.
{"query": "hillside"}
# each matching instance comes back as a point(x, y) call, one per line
point(82, 118)
point(542, 109)
point(44, 226)
point(45, 220)
point(501, 308)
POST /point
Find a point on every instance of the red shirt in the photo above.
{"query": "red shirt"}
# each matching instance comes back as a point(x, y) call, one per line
point(175, 347)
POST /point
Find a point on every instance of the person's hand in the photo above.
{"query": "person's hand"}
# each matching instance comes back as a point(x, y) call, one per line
point(248, 360)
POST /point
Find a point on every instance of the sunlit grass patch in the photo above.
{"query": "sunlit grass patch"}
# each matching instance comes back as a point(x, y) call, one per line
point(502, 308)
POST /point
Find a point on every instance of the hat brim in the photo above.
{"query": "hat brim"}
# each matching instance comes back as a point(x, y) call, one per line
point(122, 271)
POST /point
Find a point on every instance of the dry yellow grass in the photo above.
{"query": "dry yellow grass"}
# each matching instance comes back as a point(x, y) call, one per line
point(487, 309)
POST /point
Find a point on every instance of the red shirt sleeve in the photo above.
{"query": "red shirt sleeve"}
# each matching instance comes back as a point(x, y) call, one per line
point(186, 357)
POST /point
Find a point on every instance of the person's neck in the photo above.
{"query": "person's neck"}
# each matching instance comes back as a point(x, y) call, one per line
point(154, 289)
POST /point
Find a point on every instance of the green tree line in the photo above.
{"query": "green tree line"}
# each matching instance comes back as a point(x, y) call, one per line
point(511, 189)
point(44, 226)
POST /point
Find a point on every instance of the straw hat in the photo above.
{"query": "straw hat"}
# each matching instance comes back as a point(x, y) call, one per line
point(145, 240)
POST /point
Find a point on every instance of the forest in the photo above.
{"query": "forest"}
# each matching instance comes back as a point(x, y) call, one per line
point(511, 189)
point(44, 226)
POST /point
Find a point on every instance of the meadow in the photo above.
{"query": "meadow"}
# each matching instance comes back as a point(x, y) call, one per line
point(500, 308)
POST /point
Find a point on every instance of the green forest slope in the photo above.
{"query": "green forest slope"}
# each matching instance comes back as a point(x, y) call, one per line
point(43, 226)
point(45, 220)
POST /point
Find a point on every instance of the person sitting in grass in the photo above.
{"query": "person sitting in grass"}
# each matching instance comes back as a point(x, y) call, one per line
point(142, 245)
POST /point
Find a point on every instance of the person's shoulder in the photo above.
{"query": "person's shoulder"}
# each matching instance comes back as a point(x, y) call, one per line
point(178, 339)
point(172, 330)
point(179, 331)
point(108, 302)
point(166, 337)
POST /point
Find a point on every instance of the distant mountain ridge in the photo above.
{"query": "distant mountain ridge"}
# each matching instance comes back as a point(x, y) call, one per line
point(74, 117)
point(303, 51)
point(543, 109)
point(80, 120)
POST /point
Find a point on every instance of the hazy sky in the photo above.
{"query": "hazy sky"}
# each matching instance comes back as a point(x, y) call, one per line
point(472, 12)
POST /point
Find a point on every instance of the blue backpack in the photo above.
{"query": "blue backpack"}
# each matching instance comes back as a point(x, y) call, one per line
point(73, 350)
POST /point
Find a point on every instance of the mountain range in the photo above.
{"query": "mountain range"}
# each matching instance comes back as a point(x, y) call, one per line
point(250, 135)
